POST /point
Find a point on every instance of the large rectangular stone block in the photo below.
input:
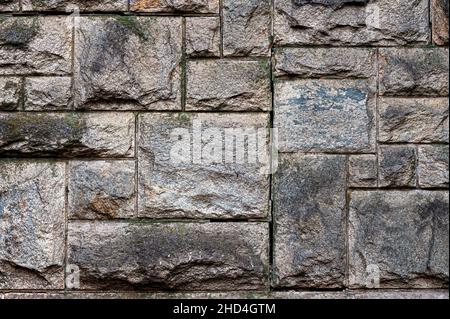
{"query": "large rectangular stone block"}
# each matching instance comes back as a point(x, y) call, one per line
point(414, 71)
point(247, 27)
point(228, 85)
point(32, 224)
point(309, 211)
point(325, 115)
point(399, 238)
point(101, 189)
point(177, 256)
point(413, 120)
point(128, 63)
point(82, 5)
point(37, 45)
point(351, 22)
point(191, 6)
point(200, 165)
point(67, 134)
point(326, 62)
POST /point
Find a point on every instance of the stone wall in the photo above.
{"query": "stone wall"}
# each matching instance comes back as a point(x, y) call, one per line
point(354, 203)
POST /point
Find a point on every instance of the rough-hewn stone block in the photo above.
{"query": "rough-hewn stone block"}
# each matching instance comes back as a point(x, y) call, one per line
point(178, 256)
point(414, 71)
point(203, 37)
point(397, 165)
point(128, 63)
point(189, 166)
point(363, 171)
point(246, 27)
point(228, 85)
point(101, 189)
point(191, 6)
point(433, 165)
point(47, 93)
point(309, 203)
point(82, 5)
point(326, 62)
point(325, 115)
point(35, 45)
point(9, 5)
point(9, 93)
point(351, 22)
point(32, 225)
point(69, 134)
point(439, 20)
point(403, 234)
point(418, 120)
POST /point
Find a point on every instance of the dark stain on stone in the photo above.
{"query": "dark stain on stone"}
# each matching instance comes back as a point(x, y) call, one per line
point(40, 133)
point(330, 3)
point(18, 33)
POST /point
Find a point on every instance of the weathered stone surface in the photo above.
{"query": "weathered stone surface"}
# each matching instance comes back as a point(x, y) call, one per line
point(35, 45)
point(69, 134)
point(47, 93)
point(397, 166)
point(31, 225)
point(187, 167)
point(309, 210)
point(363, 171)
point(351, 22)
point(399, 294)
point(368, 294)
point(228, 85)
point(177, 256)
point(321, 62)
point(246, 27)
point(439, 20)
point(9, 5)
point(418, 120)
point(433, 165)
point(82, 5)
point(9, 93)
point(203, 37)
point(325, 115)
point(192, 6)
point(101, 189)
point(414, 71)
point(404, 234)
point(140, 295)
point(128, 63)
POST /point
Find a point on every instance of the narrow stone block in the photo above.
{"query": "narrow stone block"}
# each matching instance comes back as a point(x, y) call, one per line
point(82, 5)
point(228, 85)
point(178, 6)
point(67, 134)
point(309, 211)
point(9, 93)
point(439, 21)
point(433, 166)
point(32, 224)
